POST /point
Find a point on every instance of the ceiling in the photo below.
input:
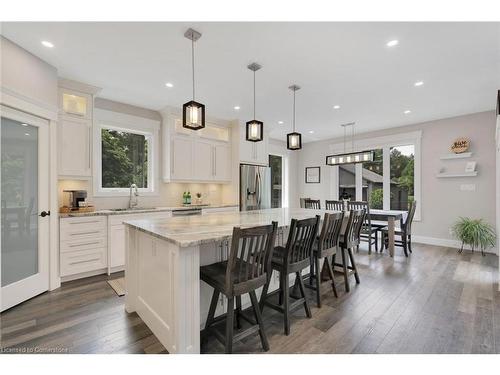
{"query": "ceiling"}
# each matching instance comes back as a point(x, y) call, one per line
point(345, 64)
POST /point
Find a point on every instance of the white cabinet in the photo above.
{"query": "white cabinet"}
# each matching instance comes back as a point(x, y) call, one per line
point(181, 158)
point(253, 152)
point(116, 236)
point(222, 162)
point(74, 147)
point(203, 164)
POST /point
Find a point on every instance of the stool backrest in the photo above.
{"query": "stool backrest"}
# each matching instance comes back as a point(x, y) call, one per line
point(409, 218)
point(250, 256)
point(303, 202)
point(353, 228)
point(313, 203)
point(361, 205)
point(330, 231)
point(334, 205)
point(300, 241)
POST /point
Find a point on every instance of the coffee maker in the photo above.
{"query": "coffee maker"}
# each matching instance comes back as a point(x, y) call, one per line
point(75, 197)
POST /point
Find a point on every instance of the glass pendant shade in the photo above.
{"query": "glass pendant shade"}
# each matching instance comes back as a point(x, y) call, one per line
point(294, 141)
point(350, 158)
point(193, 115)
point(255, 131)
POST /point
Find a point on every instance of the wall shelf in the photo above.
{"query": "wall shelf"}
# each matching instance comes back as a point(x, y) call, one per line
point(451, 175)
point(456, 156)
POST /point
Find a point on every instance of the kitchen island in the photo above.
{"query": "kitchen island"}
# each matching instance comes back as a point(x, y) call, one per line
point(162, 272)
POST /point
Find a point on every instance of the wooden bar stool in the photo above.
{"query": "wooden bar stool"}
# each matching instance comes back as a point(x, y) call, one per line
point(324, 247)
point(347, 242)
point(315, 204)
point(369, 231)
point(404, 231)
point(292, 258)
point(246, 270)
point(334, 205)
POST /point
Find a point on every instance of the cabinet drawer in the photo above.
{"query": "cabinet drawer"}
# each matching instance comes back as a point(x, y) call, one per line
point(83, 244)
point(80, 228)
point(83, 261)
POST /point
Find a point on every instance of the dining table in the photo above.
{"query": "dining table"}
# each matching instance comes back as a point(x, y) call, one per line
point(389, 216)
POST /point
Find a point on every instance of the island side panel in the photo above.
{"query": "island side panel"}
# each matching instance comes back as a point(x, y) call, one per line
point(130, 269)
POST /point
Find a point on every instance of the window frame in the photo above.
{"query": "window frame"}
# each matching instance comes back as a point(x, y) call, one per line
point(130, 124)
point(385, 143)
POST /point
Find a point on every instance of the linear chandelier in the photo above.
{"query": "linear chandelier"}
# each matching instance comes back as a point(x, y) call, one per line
point(352, 157)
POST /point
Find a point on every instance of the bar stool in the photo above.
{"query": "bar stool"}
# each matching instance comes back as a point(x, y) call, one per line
point(324, 247)
point(314, 204)
point(246, 270)
point(292, 258)
point(369, 230)
point(334, 205)
point(347, 242)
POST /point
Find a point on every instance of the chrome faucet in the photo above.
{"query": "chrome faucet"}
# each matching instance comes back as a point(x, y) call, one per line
point(133, 200)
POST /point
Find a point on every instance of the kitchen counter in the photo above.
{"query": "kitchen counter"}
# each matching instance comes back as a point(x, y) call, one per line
point(189, 231)
point(142, 210)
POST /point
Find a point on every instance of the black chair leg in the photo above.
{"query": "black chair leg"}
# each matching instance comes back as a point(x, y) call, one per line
point(332, 277)
point(353, 265)
point(405, 245)
point(318, 281)
point(282, 290)
point(213, 307)
point(263, 296)
point(369, 244)
point(409, 243)
point(238, 312)
point(376, 241)
point(229, 325)
point(303, 292)
point(344, 267)
point(312, 272)
point(258, 318)
point(286, 303)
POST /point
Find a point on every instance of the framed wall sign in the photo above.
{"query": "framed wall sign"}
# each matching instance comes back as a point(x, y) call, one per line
point(460, 145)
point(313, 175)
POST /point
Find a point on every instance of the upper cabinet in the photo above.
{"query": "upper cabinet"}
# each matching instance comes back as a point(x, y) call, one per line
point(253, 152)
point(196, 156)
point(76, 103)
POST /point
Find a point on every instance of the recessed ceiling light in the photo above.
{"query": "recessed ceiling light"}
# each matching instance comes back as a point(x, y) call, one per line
point(336, 107)
point(407, 112)
point(27, 134)
point(280, 122)
point(24, 124)
point(169, 85)
point(392, 43)
point(47, 44)
point(237, 107)
point(419, 83)
point(311, 131)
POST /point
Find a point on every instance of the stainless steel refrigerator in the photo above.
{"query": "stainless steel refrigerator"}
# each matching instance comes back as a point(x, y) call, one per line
point(255, 187)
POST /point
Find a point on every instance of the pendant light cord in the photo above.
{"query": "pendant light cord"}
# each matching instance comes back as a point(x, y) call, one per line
point(294, 110)
point(192, 59)
point(254, 94)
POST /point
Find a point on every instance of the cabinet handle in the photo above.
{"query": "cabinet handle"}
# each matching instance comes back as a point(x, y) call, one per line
point(84, 244)
point(85, 222)
point(172, 162)
point(90, 146)
point(84, 261)
point(215, 161)
point(82, 233)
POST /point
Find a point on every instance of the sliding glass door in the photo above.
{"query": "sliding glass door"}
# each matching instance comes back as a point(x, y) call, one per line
point(24, 195)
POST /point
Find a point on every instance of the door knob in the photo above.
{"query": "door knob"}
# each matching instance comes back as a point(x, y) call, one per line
point(45, 213)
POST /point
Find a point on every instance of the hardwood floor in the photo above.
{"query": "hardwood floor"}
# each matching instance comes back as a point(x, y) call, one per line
point(436, 301)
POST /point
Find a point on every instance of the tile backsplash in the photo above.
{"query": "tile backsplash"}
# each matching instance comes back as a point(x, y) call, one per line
point(170, 194)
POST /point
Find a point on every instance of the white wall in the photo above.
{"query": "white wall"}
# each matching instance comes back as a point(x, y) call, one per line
point(442, 201)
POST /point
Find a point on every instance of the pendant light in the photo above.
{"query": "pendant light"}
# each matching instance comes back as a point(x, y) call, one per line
point(350, 157)
point(193, 113)
point(294, 139)
point(255, 128)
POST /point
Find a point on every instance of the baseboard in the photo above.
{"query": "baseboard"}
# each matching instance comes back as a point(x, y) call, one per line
point(444, 242)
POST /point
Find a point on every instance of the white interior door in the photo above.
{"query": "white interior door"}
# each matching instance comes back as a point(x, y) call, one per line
point(24, 255)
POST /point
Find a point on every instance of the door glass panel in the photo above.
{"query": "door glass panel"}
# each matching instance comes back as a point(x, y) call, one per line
point(402, 176)
point(19, 187)
point(373, 180)
point(276, 164)
point(347, 181)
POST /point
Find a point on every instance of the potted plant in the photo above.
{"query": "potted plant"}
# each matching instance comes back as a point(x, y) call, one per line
point(474, 232)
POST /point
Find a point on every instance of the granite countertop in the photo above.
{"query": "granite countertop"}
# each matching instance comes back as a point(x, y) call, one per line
point(143, 210)
point(185, 231)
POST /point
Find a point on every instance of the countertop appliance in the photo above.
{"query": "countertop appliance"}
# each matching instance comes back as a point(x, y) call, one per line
point(76, 196)
point(255, 187)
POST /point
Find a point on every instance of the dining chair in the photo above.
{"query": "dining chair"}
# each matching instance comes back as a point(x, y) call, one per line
point(314, 204)
point(325, 247)
point(369, 232)
point(246, 270)
point(294, 257)
point(349, 240)
point(404, 231)
point(334, 205)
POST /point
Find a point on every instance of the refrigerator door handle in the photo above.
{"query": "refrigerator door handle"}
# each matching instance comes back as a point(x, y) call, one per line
point(259, 187)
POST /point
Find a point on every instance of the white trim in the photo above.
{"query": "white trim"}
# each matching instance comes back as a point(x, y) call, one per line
point(133, 124)
point(445, 243)
point(26, 104)
point(358, 181)
point(386, 142)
